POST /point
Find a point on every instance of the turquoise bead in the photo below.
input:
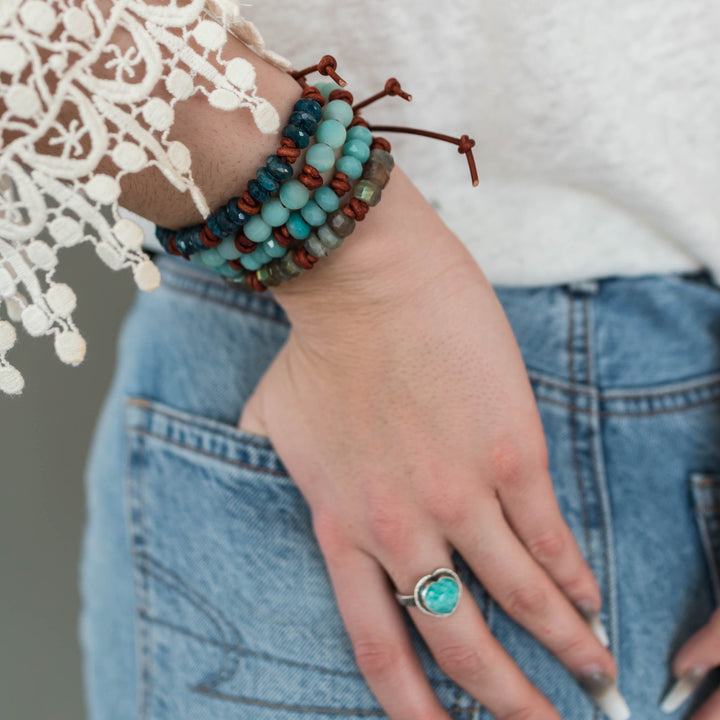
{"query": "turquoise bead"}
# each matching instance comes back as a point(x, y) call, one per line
point(256, 229)
point(332, 133)
point(294, 195)
point(349, 165)
point(327, 87)
point(274, 213)
point(228, 250)
point(228, 271)
point(338, 110)
point(260, 254)
point(196, 258)
point(356, 149)
point(360, 132)
point(250, 262)
point(441, 596)
point(326, 198)
point(297, 227)
point(320, 156)
point(313, 214)
point(328, 238)
point(273, 248)
point(212, 258)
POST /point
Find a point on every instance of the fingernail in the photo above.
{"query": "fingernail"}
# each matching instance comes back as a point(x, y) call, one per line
point(603, 690)
point(682, 689)
point(592, 618)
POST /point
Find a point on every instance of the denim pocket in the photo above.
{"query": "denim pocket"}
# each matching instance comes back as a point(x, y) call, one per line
point(705, 496)
point(235, 610)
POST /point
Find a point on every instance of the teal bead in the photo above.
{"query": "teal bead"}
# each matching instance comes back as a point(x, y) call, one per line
point(356, 149)
point(228, 250)
point(260, 254)
point(332, 133)
point(361, 133)
point(250, 262)
point(297, 227)
point(293, 194)
point(320, 156)
point(349, 165)
point(328, 238)
point(274, 213)
point(338, 110)
point(326, 198)
point(228, 271)
point(196, 259)
point(273, 248)
point(441, 596)
point(256, 229)
point(212, 258)
point(313, 214)
point(327, 87)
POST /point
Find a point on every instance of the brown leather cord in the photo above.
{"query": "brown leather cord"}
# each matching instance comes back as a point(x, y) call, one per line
point(392, 87)
point(326, 66)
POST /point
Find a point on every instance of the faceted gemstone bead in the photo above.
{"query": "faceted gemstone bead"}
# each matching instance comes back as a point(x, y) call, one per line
point(313, 214)
point(274, 272)
point(305, 121)
point(327, 87)
point(228, 250)
point(301, 138)
point(226, 224)
point(256, 229)
point(442, 596)
point(382, 156)
point(217, 228)
point(297, 227)
point(326, 198)
point(257, 191)
point(235, 213)
point(338, 110)
point(163, 234)
point(321, 157)
point(340, 223)
point(294, 195)
point(278, 168)
point(270, 183)
point(288, 266)
point(239, 283)
point(274, 213)
point(360, 132)
point(181, 242)
point(212, 258)
point(310, 106)
point(356, 149)
point(263, 275)
point(273, 248)
point(193, 239)
point(315, 247)
point(328, 238)
point(332, 133)
point(367, 191)
point(349, 165)
point(376, 172)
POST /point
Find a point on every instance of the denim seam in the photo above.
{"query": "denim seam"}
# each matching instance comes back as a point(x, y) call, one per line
point(698, 480)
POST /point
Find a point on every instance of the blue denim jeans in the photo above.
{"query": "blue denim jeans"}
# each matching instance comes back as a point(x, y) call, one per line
point(205, 594)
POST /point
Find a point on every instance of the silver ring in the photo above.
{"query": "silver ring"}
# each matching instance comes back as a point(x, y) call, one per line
point(435, 594)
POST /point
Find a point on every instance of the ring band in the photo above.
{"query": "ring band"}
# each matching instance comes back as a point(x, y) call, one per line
point(435, 594)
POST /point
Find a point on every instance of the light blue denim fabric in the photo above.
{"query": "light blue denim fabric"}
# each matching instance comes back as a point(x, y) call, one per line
point(205, 593)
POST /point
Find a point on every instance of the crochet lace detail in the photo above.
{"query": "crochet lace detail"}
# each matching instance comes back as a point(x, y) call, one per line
point(72, 96)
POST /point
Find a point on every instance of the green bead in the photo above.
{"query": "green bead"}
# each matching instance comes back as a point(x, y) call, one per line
point(313, 214)
point(441, 596)
point(326, 198)
point(349, 165)
point(315, 247)
point(288, 266)
point(360, 132)
point(294, 194)
point(332, 133)
point(356, 149)
point(256, 229)
point(297, 227)
point(212, 258)
point(265, 277)
point(228, 250)
point(327, 87)
point(338, 110)
point(340, 223)
point(320, 156)
point(367, 191)
point(239, 282)
point(274, 213)
point(382, 156)
point(328, 238)
point(273, 248)
point(274, 272)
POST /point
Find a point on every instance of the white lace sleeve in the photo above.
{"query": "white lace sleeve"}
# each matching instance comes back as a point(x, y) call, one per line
point(51, 200)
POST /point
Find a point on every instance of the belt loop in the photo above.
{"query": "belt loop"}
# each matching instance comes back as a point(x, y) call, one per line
point(587, 287)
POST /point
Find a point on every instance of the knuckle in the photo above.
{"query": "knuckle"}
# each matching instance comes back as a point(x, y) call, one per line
point(461, 661)
point(507, 461)
point(526, 601)
point(375, 657)
point(390, 527)
point(523, 712)
point(328, 531)
point(548, 545)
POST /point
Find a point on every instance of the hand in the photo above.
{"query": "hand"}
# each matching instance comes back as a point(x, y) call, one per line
point(691, 664)
point(401, 407)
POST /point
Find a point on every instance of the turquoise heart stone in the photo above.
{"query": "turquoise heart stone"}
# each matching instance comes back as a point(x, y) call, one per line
point(442, 596)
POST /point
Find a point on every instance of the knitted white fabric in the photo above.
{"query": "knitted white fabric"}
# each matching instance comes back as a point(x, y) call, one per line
point(60, 57)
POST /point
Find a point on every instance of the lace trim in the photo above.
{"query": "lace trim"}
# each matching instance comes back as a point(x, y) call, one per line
point(67, 84)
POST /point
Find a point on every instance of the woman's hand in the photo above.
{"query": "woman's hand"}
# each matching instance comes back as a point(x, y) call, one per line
point(691, 664)
point(401, 407)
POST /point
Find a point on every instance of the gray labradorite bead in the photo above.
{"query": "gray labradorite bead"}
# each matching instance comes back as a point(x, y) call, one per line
point(263, 275)
point(274, 273)
point(340, 223)
point(288, 266)
point(328, 238)
point(377, 173)
point(383, 157)
point(239, 283)
point(315, 247)
point(367, 191)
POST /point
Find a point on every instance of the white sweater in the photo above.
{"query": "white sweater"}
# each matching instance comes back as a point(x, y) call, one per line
point(597, 122)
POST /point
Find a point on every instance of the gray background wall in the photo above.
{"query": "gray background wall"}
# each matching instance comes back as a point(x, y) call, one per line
point(44, 438)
